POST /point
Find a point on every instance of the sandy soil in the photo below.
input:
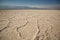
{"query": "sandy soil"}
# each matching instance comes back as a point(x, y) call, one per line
point(29, 24)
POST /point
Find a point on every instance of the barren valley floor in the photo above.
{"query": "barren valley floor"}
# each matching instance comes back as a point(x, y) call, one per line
point(29, 24)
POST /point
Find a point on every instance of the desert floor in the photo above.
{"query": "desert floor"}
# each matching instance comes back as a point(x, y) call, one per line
point(29, 24)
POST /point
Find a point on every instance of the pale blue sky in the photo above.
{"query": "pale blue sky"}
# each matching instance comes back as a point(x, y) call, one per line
point(31, 3)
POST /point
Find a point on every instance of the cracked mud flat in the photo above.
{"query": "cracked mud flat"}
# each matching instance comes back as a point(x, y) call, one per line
point(29, 24)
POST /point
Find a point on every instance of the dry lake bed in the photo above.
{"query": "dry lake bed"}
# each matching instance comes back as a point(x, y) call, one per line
point(29, 24)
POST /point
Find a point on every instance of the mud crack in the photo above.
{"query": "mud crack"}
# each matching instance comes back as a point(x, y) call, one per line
point(36, 37)
point(7, 24)
point(19, 33)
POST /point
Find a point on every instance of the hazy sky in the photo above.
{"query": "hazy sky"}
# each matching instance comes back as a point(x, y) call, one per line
point(30, 3)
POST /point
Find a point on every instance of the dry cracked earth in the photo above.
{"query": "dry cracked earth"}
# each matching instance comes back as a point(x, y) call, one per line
point(29, 24)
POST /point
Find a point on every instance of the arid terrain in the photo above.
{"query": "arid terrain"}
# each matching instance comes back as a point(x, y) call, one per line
point(29, 24)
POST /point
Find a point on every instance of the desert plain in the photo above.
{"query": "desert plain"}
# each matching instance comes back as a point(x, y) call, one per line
point(29, 24)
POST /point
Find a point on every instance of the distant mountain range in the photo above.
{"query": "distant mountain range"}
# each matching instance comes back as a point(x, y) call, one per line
point(29, 7)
